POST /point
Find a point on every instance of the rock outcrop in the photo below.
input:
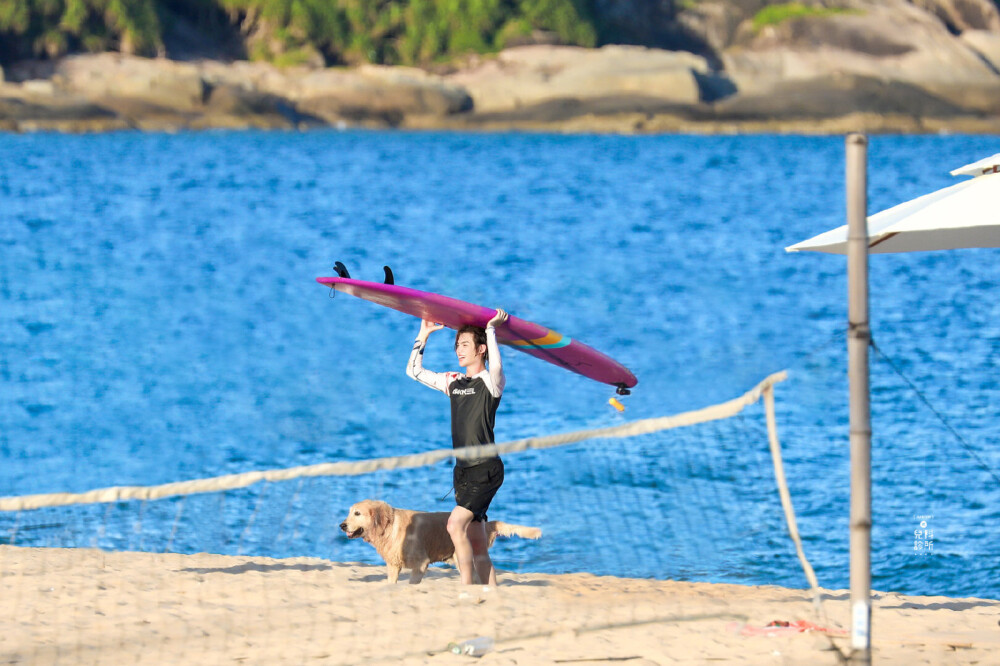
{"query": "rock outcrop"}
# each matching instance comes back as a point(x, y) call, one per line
point(531, 75)
point(893, 65)
point(893, 42)
point(164, 94)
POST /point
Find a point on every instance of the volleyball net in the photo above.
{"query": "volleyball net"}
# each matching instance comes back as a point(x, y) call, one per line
point(694, 496)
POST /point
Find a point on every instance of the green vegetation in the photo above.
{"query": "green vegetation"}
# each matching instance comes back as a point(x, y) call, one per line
point(55, 27)
point(775, 14)
point(292, 31)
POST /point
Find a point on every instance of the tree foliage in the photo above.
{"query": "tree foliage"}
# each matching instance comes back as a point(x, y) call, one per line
point(340, 31)
point(38, 28)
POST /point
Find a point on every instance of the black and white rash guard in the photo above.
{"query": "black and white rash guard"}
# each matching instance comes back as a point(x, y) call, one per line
point(474, 400)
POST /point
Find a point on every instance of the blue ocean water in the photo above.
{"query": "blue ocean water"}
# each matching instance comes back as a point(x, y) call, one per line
point(159, 321)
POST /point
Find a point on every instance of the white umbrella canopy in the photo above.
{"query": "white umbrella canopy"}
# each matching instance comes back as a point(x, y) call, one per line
point(960, 216)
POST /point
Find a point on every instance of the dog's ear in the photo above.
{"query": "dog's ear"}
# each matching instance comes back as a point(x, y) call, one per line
point(380, 517)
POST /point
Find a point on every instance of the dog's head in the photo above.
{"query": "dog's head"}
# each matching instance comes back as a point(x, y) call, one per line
point(366, 519)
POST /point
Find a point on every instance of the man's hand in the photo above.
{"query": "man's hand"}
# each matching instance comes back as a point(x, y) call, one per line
point(426, 328)
point(499, 318)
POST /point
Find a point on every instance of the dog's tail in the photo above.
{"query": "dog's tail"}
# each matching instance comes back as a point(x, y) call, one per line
point(498, 528)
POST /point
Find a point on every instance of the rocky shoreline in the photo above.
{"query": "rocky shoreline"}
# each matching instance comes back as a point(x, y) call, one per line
point(883, 67)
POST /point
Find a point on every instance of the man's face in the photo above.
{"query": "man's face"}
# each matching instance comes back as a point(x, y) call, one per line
point(465, 349)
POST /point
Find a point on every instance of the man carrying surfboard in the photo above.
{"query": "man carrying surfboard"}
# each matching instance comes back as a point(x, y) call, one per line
point(474, 397)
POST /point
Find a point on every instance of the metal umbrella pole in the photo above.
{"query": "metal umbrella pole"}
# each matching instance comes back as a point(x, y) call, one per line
point(858, 340)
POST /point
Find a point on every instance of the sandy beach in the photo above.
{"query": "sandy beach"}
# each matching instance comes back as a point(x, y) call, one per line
point(64, 606)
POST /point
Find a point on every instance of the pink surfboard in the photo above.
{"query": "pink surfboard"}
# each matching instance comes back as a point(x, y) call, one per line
point(528, 337)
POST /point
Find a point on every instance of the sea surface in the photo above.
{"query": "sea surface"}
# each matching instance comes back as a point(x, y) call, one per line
point(160, 321)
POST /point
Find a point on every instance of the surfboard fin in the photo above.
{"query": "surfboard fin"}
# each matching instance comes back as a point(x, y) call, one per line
point(341, 270)
point(388, 275)
point(623, 390)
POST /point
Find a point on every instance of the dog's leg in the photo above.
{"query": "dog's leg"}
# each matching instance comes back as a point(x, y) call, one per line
point(392, 572)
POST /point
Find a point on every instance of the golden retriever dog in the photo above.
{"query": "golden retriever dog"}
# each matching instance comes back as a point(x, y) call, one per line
point(413, 539)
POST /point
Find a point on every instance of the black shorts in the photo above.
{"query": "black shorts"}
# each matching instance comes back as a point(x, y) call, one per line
point(476, 486)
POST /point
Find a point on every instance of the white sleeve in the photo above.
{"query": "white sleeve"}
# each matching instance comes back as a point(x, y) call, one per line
point(415, 369)
point(497, 378)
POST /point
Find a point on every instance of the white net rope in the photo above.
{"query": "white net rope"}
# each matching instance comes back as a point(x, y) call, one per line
point(243, 480)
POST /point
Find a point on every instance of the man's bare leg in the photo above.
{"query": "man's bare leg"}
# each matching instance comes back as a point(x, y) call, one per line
point(481, 553)
point(458, 525)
